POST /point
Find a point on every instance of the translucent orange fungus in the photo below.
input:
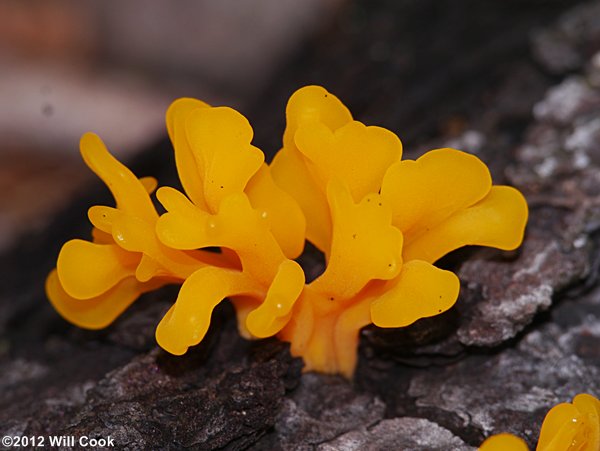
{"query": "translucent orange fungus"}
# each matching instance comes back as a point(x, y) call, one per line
point(380, 221)
point(567, 427)
point(504, 442)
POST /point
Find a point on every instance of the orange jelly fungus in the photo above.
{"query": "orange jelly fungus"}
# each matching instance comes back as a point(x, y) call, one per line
point(504, 442)
point(567, 427)
point(380, 221)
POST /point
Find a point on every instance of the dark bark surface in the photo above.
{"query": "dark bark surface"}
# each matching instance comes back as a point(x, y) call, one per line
point(517, 83)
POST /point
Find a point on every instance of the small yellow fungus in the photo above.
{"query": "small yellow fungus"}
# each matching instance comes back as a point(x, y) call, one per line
point(380, 221)
point(504, 442)
point(567, 427)
point(572, 427)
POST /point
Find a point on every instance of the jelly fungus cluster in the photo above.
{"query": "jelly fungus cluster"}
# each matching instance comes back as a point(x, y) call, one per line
point(567, 427)
point(380, 221)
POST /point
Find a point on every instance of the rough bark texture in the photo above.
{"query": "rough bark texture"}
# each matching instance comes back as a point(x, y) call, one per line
point(525, 333)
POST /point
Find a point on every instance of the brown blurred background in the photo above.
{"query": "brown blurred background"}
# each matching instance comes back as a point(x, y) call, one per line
point(67, 67)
